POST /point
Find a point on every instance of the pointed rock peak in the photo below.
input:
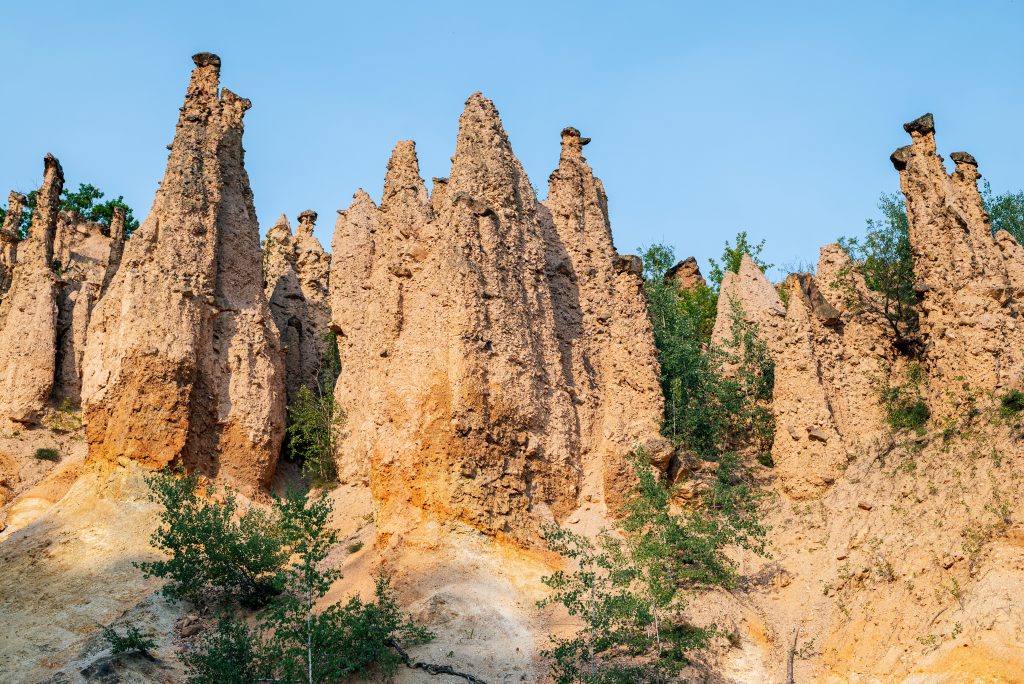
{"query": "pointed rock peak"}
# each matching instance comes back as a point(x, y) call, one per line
point(686, 274)
point(901, 157)
point(47, 210)
point(403, 172)
point(361, 200)
point(480, 121)
point(922, 125)
point(963, 158)
point(281, 230)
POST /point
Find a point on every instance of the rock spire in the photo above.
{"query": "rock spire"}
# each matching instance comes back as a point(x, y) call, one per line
point(184, 362)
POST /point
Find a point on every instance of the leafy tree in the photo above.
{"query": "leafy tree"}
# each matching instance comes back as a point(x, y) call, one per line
point(883, 259)
point(211, 547)
point(707, 409)
point(315, 419)
point(630, 586)
point(294, 642)
point(84, 202)
point(1006, 211)
point(732, 257)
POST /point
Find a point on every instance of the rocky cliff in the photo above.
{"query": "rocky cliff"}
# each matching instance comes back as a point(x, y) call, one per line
point(463, 322)
point(184, 361)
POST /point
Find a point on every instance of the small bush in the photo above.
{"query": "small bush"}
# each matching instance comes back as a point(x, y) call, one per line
point(243, 556)
point(45, 454)
point(354, 548)
point(765, 459)
point(905, 408)
point(133, 641)
point(1011, 403)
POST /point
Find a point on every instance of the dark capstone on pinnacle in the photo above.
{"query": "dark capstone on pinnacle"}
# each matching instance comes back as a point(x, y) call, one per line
point(922, 124)
point(308, 214)
point(202, 59)
point(574, 133)
point(963, 158)
point(900, 157)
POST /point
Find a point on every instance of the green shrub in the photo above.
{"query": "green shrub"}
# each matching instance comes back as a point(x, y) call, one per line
point(315, 419)
point(629, 587)
point(1011, 403)
point(765, 459)
point(47, 454)
point(84, 202)
point(294, 641)
point(133, 641)
point(905, 408)
point(706, 409)
point(732, 257)
point(210, 548)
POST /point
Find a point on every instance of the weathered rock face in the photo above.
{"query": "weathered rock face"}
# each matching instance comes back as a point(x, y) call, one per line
point(969, 318)
point(183, 362)
point(687, 274)
point(28, 311)
point(462, 320)
point(88, 255)
point(757, 302)
point(9, 239)
point(296, 271)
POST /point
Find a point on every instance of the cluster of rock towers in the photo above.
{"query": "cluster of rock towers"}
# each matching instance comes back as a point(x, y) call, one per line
point(498, 365)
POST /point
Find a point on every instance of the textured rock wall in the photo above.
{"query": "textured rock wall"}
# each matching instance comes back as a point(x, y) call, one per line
point(183, 362)
point(88, 255)
point(28, 311)
point(296, 271)
point(467, 379)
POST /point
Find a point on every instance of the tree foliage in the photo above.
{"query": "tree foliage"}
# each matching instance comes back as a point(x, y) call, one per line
point(85, 202)
point(732, 257)
point(883, 259)
point(707, 410)
point(293, 641)
point(315, 419)
point(630, 586)
point(1006, 211)
point(214, 548)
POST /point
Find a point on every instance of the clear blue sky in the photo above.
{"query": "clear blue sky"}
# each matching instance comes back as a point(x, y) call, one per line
point(706, 118)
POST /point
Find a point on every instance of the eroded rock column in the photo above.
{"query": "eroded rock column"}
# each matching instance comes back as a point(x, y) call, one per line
point(28, 312)
point(183, 362)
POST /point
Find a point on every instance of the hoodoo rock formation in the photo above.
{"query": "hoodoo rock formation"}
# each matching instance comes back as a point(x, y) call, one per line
point(969, 316)
point(28, 311)
point(604, 333)
point(468, 381)
point(184, 362)
point(87, 255)
point(749, 295)
point(9, 238)
point(296, 271)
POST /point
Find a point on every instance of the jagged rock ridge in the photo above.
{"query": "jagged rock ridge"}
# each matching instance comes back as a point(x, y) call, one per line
point(184, 361)
point(467, 381)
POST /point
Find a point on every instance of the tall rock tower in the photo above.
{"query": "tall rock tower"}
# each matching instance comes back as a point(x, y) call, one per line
point(184, 361)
